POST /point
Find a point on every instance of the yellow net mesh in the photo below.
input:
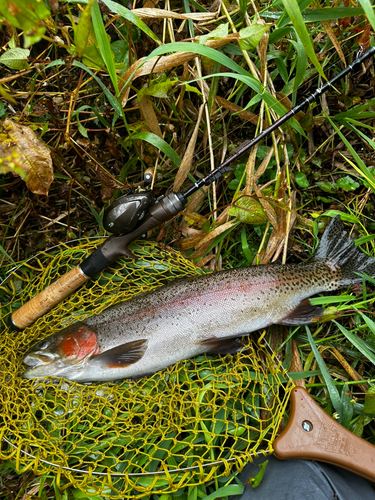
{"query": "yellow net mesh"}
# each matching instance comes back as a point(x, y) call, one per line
point(183, 426)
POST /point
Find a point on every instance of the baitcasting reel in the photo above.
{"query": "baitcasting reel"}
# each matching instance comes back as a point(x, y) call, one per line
point(128, 211)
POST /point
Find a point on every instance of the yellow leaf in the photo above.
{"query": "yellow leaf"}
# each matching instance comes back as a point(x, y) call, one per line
point(24, 154)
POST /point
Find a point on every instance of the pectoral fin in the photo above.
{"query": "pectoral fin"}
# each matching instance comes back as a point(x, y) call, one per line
point(222, 346)
point(303, 314)
point(122, 355)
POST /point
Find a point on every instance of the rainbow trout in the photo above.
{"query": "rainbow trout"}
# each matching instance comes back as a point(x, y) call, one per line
point(204, 314)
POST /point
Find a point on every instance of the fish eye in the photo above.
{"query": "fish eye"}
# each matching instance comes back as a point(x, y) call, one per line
point(44, 344)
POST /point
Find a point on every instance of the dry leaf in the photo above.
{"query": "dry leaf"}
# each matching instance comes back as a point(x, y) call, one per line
point(215, 232)
point(148, 113)
point(24, 154)
point(349, 369)
point(233, 108)
point(167, 14)
point(263, 166)
point(187, 160)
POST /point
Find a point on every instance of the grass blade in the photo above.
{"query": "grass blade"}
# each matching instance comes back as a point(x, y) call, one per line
point(295, 14)
point(230, 489)
point(333, 392)
point(159, 144)
point(360, 166)
point(368, 321)
point(369, 11)
point(357, 342)
point(129, 16)
point(103, 44)
point(301, 63)
point(111, 98)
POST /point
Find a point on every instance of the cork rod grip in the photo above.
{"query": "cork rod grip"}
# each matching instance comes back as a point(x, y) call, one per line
point(313, 435)
point(48, 298)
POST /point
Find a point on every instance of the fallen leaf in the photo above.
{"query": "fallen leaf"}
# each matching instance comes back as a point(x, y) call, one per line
point(24, 154)
point(187, 160)
point(146, 13)
point(148, 113)
point(233, 108)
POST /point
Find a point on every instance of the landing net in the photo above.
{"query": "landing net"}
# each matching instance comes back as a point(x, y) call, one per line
point(197, 420)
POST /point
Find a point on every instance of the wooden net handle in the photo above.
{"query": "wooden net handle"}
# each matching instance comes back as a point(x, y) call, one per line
point(313, 435)
point(48, 298)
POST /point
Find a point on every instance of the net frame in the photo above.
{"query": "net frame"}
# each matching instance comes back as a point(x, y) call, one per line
point(161, 266)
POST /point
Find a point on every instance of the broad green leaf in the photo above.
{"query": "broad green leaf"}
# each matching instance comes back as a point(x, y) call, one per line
point(248, 210)
point(301, 179)
point(15, 58)
point(160, 89)
point(82, 30)
point(32, 23)
point(190, 88)
point(251, 36)
point(120, 49)
point(294, 12)
point(357, 342)
point(332, 389)
point(159, 144)
point(220, 32)
point(92, 57)
point(347, 183)
point(369, 406)
point(328, 186)
point(104, 45)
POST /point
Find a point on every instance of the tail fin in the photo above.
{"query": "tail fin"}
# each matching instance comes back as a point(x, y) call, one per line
point(337, 247)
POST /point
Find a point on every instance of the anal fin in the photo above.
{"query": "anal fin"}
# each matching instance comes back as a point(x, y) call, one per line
point(122, 355)
point(226, 345)
point(303, 314)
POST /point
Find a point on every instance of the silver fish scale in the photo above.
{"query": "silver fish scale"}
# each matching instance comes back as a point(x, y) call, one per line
point(177, 317)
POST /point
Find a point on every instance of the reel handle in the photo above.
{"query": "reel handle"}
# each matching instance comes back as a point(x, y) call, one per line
point(113, 248)
point(311, 434)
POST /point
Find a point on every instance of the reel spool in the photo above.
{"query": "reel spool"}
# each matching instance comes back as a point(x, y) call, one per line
point(183, 426)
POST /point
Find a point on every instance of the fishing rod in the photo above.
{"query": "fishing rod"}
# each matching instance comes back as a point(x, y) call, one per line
point(134, 214)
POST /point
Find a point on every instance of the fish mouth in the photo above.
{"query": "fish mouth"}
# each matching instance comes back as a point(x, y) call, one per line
point(38, 358)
